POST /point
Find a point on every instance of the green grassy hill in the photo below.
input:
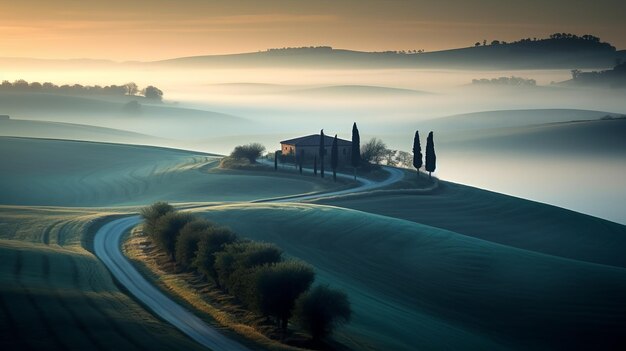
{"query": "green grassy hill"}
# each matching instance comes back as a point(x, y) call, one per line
point(55, 295)
point(72, 173)
point(414, 286)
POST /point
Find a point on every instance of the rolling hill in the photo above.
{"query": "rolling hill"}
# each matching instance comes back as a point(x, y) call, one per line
point(72, 173)
point(413, 286)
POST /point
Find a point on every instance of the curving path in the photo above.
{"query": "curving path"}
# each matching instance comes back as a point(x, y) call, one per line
point(107, 243)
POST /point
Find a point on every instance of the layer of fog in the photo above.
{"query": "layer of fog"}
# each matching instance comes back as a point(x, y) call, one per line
point(271, 105)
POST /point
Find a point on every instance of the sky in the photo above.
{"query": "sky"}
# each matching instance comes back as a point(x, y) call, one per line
point(160, 29)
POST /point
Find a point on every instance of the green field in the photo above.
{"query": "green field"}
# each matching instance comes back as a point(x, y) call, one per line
point(416, 286)
point(55, 295)
point(70, 173)
point(454, 268)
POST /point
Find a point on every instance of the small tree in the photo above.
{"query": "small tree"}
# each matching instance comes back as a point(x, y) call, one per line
point(417, 153)
point(188, 239)
point(322, 152)
point(315, 165)
point(153, 93)
point(404, 159)
point(250, 152)
point(355, 156)
point(235, 258)
point(213, 240)
point(152, 213)
point(167, 230)
point(276, 155)
point(279, 285)
point(431, 158)
point(373, 151)
point(131, 88)
point(321, 310)
point(334, 158)
point(301, 160)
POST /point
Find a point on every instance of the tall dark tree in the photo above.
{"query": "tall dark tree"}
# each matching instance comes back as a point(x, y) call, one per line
point(431, 158)
point(315, 165)
point(355, 157)
point(334, 158)
point(301, 160)
point(276, 160)
point(322, 152)
point(417, 153)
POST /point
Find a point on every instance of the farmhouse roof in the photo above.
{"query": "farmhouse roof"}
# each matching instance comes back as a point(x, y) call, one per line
point(314, 140)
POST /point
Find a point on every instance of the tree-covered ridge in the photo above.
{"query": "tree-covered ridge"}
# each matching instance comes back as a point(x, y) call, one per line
point(613, 78)
point(128, 89)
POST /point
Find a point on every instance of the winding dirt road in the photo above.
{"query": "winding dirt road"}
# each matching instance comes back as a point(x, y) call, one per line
point(107, 244)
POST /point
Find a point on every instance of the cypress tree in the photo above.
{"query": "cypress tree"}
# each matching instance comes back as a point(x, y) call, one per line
point(322, 153)
point(417, 153)
point(301, 160)
point(355, 156)
point(431, 158)
point(334, 158)
point(276, 160)
point(315, 165)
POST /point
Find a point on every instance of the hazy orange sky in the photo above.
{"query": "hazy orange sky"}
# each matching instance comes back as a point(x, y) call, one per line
point(159, 29)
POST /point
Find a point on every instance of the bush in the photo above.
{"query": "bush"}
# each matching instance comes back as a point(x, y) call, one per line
point(277, 286)
point(239, 257)
point(321, 310)
point(153, 212)
point(188, 239)
point(167, 228)
point(212, 241)
point(250, 152)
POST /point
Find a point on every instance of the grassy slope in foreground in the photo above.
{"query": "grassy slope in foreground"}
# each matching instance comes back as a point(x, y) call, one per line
point(415, 286)
point(70, 173)
point(55, 295)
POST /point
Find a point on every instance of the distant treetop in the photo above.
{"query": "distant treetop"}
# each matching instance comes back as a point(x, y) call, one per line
point(130, 89)
point(561, 41)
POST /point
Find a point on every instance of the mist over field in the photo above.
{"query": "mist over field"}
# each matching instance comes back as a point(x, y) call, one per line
point(214, 109)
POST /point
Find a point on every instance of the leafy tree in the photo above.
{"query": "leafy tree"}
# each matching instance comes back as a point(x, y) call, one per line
point(167, 229)
point(417, 153)
point(250, 152)
point(213, 241)
point(235, 258)
point(322, 309)
point(355, 156)
point(334, 157)
point(131, 88)
point(373, 151)
point(188, 239)
point(431, 158)
point(152, 213)
point(153, 93)
point(404, 159)
point(390, 157)
point(322, 153)
point(278, 286)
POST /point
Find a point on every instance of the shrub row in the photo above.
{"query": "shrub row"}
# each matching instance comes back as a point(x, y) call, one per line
point(255, 273)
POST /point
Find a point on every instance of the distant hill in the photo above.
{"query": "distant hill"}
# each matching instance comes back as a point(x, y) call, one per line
point(70, 131)
point(509, 118)
point(558, 51)
point(357, 90)
point(601, 137)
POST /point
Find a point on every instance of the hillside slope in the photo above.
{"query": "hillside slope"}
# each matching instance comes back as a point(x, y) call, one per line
point(414, 286)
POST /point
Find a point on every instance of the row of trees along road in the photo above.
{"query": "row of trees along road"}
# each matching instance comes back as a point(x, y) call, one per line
point(254, 273)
